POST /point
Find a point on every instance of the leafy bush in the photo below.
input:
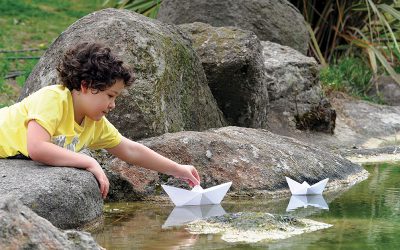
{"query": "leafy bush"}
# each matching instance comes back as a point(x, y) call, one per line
point(369, 29)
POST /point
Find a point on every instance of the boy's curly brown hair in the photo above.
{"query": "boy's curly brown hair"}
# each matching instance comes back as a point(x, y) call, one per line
point(94, 64)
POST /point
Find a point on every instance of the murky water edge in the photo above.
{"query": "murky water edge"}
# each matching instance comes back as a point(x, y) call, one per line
point(366, 216)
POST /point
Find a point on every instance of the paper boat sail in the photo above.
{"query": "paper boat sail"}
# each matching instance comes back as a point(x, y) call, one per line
point(183, 215)
point(198, 195)
point(297, 201)
point(304, 188)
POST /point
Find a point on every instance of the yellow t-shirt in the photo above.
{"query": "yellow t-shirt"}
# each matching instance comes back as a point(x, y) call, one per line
point(52, 108)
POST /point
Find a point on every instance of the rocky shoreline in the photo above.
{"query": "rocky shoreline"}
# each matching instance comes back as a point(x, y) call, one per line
point(237, 108)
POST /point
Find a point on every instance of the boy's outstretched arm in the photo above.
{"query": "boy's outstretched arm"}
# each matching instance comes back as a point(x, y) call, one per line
point(42, 150)
point(138, 154)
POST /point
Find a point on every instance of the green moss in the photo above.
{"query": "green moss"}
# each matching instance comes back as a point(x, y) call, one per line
point(252, 221)
point(178, 63)
point(220, 37)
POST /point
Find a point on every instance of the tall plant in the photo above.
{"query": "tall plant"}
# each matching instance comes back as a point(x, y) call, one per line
point(365, 28)
point(148, 8)
point(369, 29)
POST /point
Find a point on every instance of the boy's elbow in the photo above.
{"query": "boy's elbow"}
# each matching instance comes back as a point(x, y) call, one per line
point(34, 152)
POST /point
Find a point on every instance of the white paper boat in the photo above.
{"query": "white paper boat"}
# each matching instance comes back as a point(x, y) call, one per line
point(304, 188)
point(184, 215)
point(297, 201)
point(198, 195)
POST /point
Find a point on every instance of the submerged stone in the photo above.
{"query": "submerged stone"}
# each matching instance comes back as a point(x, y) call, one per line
point(253, 227)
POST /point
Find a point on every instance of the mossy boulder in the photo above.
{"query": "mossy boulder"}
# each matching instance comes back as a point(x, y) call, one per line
point(171, 92)
point(233, 61)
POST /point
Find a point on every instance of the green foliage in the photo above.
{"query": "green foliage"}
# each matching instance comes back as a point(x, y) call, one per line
point(148, 8)
point(350, 75)
point(364, 28)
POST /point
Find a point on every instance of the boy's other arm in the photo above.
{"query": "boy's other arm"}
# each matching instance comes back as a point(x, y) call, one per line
point(138, 154)
point(42, 150)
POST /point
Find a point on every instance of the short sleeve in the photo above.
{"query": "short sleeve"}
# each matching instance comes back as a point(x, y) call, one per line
point(105, 135)
point(45, 107)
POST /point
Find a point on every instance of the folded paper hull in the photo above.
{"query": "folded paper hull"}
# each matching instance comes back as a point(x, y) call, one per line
point(305, 189)
point(183, 197)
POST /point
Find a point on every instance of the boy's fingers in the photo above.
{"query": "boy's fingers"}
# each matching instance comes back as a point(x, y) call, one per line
point(105, 189)
point(195, 178)
point(102, 189)
point(196, 175)
point(104, 192)
point(191, 183)
point(194, 182)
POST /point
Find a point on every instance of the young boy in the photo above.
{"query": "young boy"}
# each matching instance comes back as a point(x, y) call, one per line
point(53, 124)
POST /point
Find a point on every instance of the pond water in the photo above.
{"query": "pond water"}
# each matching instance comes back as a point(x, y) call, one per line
point(366, 216)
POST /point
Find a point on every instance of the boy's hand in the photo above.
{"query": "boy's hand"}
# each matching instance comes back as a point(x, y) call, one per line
point(101, 177)
point(188, 173)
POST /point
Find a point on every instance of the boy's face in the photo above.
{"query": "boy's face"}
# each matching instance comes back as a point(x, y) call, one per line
point(98, 104)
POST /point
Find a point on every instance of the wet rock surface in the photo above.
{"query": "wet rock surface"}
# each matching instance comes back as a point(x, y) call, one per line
point(252, 227)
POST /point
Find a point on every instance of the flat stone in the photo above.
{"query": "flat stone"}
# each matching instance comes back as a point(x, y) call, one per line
point(252, 227)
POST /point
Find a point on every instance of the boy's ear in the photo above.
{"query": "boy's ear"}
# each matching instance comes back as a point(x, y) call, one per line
point(84, 86)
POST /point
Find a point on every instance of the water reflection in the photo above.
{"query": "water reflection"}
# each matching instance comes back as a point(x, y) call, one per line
point(186, 214)
point(297, 201)
point(138, 226)
point(367, 216)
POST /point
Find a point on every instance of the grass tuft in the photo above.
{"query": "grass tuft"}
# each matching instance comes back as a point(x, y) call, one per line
point(32, 25)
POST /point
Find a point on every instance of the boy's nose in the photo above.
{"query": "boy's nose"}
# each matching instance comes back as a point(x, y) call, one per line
point(112, 105)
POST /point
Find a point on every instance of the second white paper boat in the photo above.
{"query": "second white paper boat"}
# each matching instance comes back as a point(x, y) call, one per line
point(305, 188)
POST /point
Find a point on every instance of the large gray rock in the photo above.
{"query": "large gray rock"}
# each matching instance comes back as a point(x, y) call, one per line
point(21, 228)
point(386, 89)
point(233, 62)
point(67, 197)
point(277, 21)
point(367, 119)
point(171, 92)
point(255, 160)
point(295, 93)
point(359, 124)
